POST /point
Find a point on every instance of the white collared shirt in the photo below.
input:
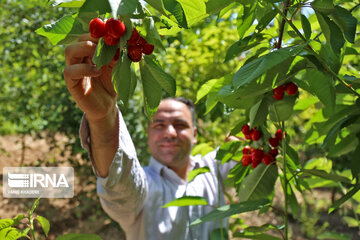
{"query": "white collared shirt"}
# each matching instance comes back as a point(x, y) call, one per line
point(133, 195)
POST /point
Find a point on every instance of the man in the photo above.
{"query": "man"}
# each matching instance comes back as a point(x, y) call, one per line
point(133, 196)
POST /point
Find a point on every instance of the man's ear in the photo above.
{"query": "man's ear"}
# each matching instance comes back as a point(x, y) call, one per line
point(195, 135)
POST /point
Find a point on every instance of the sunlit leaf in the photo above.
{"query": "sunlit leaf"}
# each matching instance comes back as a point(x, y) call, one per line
point(195, 172)
point(186, 201)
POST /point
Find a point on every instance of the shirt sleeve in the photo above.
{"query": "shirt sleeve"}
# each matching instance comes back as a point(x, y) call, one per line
point(122, 193)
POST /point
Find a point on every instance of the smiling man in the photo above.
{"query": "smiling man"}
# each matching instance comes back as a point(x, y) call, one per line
point(131, 194)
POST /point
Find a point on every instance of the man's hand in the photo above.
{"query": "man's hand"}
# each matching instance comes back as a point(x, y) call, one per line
point(91, 89)
point(94, 93)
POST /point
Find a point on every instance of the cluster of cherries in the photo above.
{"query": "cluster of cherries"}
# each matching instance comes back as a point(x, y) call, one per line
point(255, 156)
point(279, 92)
point(112, 30)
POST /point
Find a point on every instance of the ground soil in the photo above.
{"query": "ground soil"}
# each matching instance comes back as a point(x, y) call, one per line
point(83, 213)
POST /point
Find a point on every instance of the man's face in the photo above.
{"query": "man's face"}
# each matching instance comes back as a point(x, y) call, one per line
point(171, 134)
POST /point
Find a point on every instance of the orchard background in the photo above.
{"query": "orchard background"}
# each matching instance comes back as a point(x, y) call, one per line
point(227, 56)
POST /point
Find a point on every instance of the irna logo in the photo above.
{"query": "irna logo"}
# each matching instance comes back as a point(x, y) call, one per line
point(36, 180)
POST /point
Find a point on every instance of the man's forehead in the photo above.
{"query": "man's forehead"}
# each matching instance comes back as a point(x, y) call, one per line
point(172, 109)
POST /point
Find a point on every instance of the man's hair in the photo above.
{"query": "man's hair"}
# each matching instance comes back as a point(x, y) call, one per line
point(188, 103)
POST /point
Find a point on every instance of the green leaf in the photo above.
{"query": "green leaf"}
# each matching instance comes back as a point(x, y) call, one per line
point(6, 222)
point(176, 10)
point(100, 6)
point(255, 235)
point(337, 127)
point(186, 201)
point(256, 68)
point(258, 113)
point(242, 45)
point(332, 33)
point(123, 7)
point(306, 26)
point(44, 223)
point(65, 30)
point(195, 172)
point(259, 184)
point(265, 20)
point(229, 210)
point(151, 89)
point(344, 198)
point(103, 53)
point(354, 164)
point(33, 207)
point(122, 80)
point(324, 6)
point(245, 21)
point(214, 6)
point(78, 236)
point(346, 145)
point(207, 87)
point(346, 21)
point(334, 236)
point(152, 35)
point(325, 175)
point(321, 86)
point(218, 233)
point(194, 10)
point(227, 151)
point(11, 233)
point(282, 110)
point(68, 3)
point(166, 81)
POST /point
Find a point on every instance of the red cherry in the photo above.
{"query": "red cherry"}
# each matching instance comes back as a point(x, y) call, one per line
point(255, 135)
point(110, 41)
point(291, 88)
point(279, 90)
point(274, 142)
point(246, 160)
point(245, 129)
point(148, 48)
point(256, 155)
point(278, 96)
point(274, 152)
point(134, 53)
point(278, 134)
point(248, 136)
point(135, 36)
point(114, 28)
point(246, 150)
point(97, 28)
point(254, 164)
point(267, 158)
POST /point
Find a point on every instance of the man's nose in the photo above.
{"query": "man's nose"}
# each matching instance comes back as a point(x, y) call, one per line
point(170, 130)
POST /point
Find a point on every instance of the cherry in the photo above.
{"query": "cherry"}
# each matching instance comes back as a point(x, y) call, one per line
point(110, 41)
point(256, 155)
point(114, 28)
point(291, 88)
point(274, 152)
point(278, 134)
point(148, 48)
point(97, 28)
point(254, 164)
point(274, 142)
point(133, 38)
point(255, 135)
point(246, 160)
point(267, 158)
point(279, 92)
point(245, 129)
point(134, 53)
point(246, 150)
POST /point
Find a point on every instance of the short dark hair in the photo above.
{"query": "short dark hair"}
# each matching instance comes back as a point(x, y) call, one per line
point(188, 103)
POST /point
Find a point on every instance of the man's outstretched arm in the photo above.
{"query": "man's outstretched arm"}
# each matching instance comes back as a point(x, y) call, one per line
point(94, 93)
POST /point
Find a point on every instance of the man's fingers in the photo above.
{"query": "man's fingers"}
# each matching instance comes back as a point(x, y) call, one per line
point(87, 37)
point(75, 53)
point(74, 73)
